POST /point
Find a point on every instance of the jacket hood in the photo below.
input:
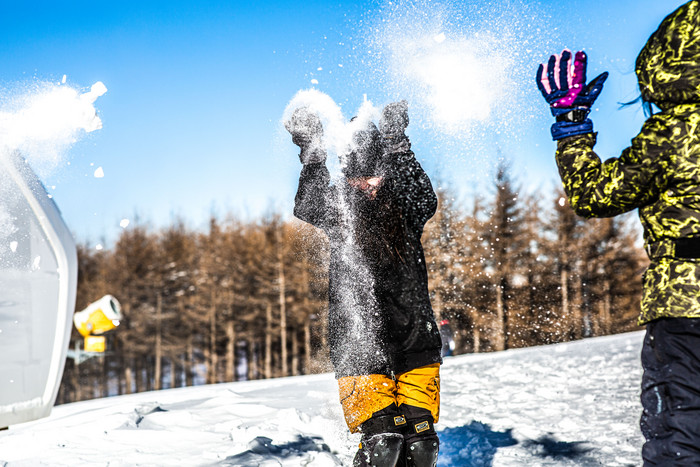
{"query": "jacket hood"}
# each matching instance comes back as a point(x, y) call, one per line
point(668, 67)
point(364, 158)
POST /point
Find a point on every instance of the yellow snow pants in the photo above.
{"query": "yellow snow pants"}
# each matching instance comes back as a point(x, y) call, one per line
point(362, 396)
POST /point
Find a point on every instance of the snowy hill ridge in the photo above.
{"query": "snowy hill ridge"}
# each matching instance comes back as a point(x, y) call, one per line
point(570, 404)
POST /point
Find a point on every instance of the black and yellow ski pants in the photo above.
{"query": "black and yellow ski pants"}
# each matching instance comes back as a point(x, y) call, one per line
point(413, 396)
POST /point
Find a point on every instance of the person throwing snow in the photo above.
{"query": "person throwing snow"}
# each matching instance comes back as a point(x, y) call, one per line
point(384, 341)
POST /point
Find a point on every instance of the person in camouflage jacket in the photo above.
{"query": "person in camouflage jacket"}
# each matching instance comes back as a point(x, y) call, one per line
point(659, 175)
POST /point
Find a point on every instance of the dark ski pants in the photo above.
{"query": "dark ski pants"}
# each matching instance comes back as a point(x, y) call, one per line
point(671, 393)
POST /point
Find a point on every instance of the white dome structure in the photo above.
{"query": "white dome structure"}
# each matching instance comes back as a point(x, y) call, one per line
point(38, 280)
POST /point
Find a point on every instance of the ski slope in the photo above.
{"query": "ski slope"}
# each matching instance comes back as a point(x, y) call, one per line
point(571, 404)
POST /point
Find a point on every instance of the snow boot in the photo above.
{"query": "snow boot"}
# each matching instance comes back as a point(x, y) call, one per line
point(380, 450)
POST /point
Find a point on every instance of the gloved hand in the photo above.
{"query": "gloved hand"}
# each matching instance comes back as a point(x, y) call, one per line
point(307, 131)
point(392, 127)
point(565, 90)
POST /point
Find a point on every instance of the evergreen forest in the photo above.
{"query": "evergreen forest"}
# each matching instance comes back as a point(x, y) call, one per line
point(243, 300)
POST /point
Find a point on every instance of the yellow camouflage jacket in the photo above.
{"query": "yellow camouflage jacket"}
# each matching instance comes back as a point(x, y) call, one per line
point(659, 174)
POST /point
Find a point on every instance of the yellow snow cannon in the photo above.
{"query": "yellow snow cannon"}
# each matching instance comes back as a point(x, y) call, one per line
point(99, 317)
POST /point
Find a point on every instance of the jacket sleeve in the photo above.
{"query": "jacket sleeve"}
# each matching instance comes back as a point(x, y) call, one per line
point(413, 189)
point(633, 180)
point(315, 201)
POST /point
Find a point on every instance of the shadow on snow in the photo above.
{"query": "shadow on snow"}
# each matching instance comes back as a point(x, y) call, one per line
point(261, 449)
point(548, 446)
point(472, 445)
point(475, 445)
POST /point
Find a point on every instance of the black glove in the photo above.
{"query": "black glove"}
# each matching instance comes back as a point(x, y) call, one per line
point(392, 127)
point(307, 132)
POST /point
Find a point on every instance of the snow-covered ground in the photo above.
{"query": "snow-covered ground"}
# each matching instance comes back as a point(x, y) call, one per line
point(572, 404)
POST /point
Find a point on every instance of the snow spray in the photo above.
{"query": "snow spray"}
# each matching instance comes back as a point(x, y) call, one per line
point(456, 62)
point(337, 129)
point(42, 124)
point(455, 80)
point(465, 67)
point(358, 302)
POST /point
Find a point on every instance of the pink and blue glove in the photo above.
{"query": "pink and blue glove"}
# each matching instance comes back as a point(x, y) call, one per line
point(563, 86)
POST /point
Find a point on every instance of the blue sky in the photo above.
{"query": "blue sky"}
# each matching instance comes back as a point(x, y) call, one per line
point(196, 91)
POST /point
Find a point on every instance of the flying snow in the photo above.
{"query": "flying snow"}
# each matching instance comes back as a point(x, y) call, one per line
point(44, 123)
point(445, 60)
point(338, 142)
point(41, 125)
point(458, 79)
point(337, 128)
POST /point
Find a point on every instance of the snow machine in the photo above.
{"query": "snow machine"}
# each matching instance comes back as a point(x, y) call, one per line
point(38, 280)
point(99, 317)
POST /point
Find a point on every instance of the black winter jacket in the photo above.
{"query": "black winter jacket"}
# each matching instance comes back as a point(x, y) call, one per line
point(380, 317)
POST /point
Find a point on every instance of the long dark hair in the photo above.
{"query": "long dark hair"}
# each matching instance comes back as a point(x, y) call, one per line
point(647, 106)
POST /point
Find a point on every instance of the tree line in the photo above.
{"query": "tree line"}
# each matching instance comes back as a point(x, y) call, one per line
point(247, 299)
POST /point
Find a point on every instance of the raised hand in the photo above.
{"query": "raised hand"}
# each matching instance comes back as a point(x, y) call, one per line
point(563, 86)
point(392, 127)
point(307, 131)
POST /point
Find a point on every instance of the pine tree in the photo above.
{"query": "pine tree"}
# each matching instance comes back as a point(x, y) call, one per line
point(504, 238)
point(454, 269)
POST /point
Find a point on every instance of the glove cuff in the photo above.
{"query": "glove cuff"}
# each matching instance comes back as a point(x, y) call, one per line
point(563, 129)
point(577, 115)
